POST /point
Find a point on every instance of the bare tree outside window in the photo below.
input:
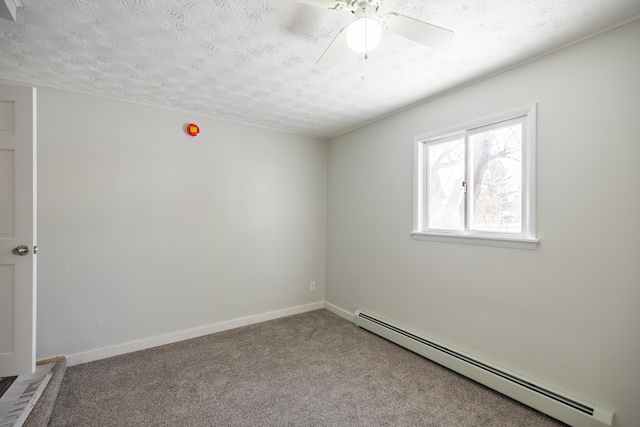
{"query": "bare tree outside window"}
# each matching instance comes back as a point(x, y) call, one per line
point(475, 183)
point(496, 158)
point(493, 180)
point(446, 173)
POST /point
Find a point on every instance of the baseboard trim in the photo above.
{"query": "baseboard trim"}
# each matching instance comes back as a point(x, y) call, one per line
point(339, 311)
point(116, 350)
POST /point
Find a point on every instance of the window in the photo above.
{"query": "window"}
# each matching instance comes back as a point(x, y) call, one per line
point(475, 183)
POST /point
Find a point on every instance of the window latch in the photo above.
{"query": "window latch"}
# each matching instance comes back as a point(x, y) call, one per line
point(464, 185)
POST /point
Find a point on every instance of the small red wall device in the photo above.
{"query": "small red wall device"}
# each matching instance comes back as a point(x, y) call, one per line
point(192, 129)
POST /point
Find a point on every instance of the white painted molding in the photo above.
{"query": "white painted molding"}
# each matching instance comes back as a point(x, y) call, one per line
point(143, 344)
point(339, 311)
point(500, 242)
point(527, 240)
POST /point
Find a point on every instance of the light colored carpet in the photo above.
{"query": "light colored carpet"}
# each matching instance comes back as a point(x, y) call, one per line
point(311, 369)
point(41, 413)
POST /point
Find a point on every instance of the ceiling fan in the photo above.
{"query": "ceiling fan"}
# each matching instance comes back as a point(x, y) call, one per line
point(363, 35)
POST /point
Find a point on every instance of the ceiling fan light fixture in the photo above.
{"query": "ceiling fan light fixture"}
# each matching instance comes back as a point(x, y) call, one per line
point(363, 35)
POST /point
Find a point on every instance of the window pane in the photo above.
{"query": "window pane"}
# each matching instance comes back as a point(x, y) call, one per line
point(496, 180)
point(445, 191)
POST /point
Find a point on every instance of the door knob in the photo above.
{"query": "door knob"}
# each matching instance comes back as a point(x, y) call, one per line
point(21, 250)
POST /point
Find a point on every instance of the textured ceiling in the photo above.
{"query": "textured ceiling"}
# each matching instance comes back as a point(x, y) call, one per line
point(253, 61)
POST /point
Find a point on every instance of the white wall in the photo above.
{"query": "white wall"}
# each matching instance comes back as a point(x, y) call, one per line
point(567, 314)
point(145, 231)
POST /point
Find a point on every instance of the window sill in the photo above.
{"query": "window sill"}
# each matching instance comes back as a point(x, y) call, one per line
point(501, 242)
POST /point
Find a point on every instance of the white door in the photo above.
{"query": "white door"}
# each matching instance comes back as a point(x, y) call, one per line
point(17, 230)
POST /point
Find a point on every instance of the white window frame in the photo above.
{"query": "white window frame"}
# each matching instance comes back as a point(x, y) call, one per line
point(528, 238)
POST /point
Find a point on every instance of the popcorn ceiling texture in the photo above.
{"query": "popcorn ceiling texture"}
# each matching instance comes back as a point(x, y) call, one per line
point(254, 61)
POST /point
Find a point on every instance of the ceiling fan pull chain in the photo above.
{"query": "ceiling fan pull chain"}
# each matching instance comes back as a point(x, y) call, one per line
point(366, 34)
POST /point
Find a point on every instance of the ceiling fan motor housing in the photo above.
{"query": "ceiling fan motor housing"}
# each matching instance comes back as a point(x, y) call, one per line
point(363, 35)
point(362, 8)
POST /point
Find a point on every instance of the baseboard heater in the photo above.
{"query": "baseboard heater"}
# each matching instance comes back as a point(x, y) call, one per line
point(553, 403)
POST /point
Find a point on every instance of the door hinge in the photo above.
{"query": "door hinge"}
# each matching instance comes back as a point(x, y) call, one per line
point(464, 185)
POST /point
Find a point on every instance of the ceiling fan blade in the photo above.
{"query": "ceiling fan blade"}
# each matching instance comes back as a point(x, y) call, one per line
point(416, 30)
point(335, 49)
point(327, 4)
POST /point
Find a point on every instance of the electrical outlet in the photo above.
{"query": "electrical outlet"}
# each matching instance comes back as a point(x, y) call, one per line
point(312, 286)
